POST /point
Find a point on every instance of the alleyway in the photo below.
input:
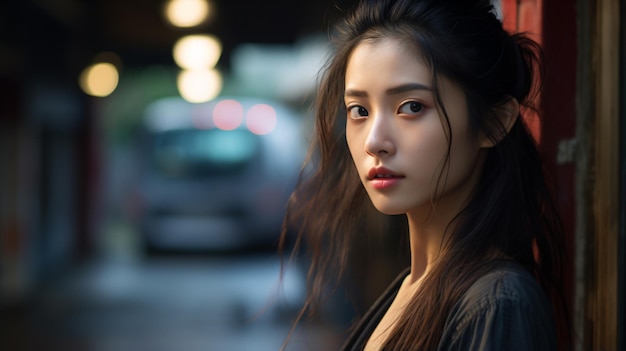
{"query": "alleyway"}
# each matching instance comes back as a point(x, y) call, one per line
point(165, 303)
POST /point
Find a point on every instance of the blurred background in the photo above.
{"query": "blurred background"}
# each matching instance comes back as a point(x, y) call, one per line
point(147, 149)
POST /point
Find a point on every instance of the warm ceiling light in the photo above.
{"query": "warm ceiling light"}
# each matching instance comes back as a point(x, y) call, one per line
point(99, 79)
point(199, 85)
point(187, 13)
point(197, 51)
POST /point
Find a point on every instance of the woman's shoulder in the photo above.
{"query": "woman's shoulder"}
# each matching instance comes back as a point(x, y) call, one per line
point(506, 308)
point(508, 281)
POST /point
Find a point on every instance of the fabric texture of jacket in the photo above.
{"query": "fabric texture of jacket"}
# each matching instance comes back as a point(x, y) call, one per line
point(506, 309)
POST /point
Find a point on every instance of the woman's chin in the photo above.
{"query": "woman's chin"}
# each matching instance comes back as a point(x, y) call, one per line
point(389, 210)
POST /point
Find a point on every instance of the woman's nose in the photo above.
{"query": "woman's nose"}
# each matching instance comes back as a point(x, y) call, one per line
point(379, 142)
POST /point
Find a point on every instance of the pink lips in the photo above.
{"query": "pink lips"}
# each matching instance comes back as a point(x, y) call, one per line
point(383, 178)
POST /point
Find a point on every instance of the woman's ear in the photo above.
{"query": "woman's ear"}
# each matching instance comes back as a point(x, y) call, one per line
point(505, 117)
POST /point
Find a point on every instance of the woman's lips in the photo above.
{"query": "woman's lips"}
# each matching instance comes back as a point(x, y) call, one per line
point(384, 183)
point(383, 178)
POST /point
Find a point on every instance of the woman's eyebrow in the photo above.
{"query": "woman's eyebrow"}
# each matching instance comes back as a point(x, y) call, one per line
point(355, 93)
point(391, 91)
point(407, 87)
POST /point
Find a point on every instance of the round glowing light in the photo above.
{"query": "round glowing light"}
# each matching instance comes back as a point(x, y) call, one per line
point(199, 85)
point(261, 119)
point(197, 51)
point(187, 13)
point(228, 115)
point(99, 79)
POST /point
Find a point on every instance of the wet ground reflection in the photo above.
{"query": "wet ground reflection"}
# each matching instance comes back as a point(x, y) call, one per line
point(165, 303)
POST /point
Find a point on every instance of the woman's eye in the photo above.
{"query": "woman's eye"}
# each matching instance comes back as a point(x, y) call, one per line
point(411, 108)
point(356, 112)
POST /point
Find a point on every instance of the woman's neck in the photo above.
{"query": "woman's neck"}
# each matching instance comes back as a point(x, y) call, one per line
point(426, 237)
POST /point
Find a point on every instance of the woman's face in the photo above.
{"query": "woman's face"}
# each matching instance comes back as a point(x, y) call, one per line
point(395, 133)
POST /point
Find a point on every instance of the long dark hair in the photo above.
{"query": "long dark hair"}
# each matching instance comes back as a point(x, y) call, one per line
point(511, 209)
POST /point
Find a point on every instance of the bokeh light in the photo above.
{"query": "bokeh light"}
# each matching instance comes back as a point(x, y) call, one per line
point(199, 85)
point(99, 79)
point(261, 119)
point(228, 114)
point(187, 13)
point(197, 51)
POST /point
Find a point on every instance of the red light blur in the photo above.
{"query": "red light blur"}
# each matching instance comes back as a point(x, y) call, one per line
point(261, 119)
point(228, 114)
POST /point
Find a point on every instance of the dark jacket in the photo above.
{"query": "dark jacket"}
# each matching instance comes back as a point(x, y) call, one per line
point(504, 310)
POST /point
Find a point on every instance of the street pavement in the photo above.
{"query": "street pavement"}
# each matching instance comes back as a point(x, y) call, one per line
point(167, 303)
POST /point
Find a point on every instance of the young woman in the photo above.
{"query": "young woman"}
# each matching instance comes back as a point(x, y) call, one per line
point(419, 109)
